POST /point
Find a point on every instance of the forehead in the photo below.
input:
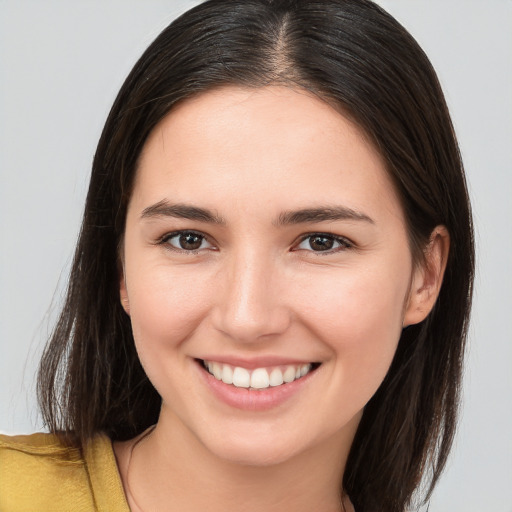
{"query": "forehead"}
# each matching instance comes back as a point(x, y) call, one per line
point(282, 145)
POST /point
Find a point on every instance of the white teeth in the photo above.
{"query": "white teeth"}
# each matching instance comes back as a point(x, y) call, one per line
point(227, 374)
point(259, 378)
point(276, 377)
point(217, 371)
point(289, 374)
point(241, 378)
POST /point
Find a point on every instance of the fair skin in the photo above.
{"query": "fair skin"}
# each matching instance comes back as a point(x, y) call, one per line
point(263, 233)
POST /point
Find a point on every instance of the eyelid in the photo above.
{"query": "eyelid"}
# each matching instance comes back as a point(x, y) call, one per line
point(167, 236)
point(344, 242)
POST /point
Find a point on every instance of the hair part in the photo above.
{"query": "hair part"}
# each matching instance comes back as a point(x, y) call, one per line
point(360, 60)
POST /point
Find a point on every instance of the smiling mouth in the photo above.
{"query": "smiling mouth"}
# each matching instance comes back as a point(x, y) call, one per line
point(258, 378)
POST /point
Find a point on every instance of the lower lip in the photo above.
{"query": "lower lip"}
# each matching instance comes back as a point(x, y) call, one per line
point(253, 399)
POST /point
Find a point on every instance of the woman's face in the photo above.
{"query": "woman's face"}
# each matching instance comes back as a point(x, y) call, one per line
point(265, 240)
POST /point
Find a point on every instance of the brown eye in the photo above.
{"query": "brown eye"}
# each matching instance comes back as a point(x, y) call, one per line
point(323, 242)
point(190, 241)
point(187, 241)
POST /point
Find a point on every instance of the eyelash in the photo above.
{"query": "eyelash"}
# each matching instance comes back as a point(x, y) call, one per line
point(343, 242)
point(167, 237)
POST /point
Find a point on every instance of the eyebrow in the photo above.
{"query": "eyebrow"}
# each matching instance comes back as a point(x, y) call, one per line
point(181, 211)
point(306, 215)
point(321, 214)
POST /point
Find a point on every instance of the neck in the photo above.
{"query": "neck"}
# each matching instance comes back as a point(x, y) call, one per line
point(172, 470)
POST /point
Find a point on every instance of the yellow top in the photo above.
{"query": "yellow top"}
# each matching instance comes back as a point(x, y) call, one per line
point(39, 474)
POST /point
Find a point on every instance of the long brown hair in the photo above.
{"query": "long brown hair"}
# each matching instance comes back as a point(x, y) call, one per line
point(359, 59)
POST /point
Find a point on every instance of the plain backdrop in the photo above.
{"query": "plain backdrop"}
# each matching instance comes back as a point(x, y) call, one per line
point(61, 64)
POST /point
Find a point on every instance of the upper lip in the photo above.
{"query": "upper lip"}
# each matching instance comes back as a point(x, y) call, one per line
point(255, 362)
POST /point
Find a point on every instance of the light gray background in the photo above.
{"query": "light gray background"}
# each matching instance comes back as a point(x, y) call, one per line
point(61, 64)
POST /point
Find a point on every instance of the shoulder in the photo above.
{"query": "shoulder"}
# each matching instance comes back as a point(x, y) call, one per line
point(38, 472)
point(29, 447)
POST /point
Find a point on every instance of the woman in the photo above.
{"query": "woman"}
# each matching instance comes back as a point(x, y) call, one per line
point(270, 293)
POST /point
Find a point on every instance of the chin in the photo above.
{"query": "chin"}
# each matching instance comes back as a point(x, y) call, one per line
point(247, 452)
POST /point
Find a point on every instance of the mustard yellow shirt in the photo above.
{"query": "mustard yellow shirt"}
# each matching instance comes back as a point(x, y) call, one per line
point(38, 474)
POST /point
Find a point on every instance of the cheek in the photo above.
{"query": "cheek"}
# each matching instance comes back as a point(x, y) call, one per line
point(355, 302)
point(165, 308)
point(360, 320)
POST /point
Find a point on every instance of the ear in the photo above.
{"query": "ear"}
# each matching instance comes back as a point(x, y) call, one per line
point(428, 278)
point(123, 292)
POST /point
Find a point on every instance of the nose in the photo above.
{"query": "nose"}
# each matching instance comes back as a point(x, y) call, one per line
point(250, 304)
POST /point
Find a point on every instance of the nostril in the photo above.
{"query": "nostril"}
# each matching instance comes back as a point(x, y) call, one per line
point(244, 324)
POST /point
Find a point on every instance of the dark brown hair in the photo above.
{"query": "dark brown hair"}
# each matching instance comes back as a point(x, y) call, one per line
point(356, 57)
